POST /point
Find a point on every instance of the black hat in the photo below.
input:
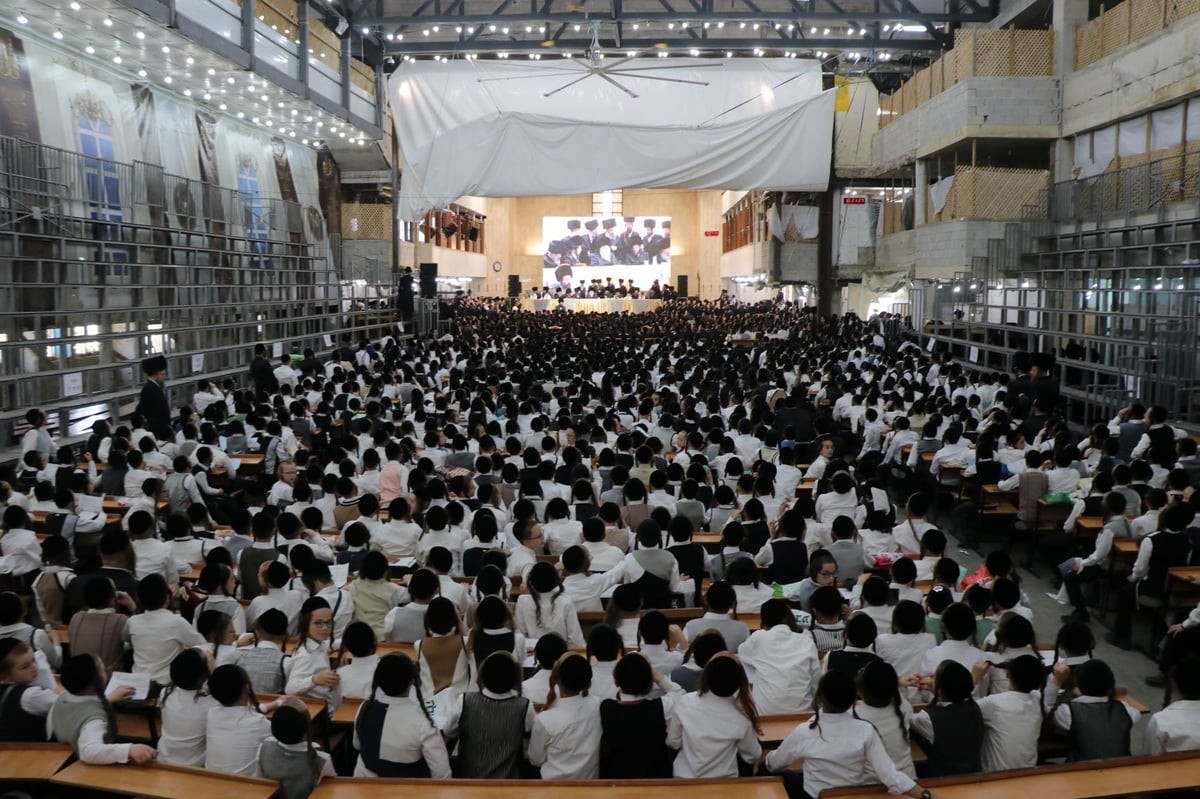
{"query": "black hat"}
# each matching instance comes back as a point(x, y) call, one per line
point(572, 224)
point(154, 364)
point(635, 239)
point(555, 248)
point(591, 224)
point(629, 218)
point(273, 622)
point(563, 271)
point(648, 223)
point(609, 224)
point(576, 241)
point(667, 224)
point(1044, 361)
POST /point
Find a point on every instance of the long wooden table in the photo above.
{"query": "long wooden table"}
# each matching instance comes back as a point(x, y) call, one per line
point(1095, 778)
point(163, 782)
point(31, 761)
point(348, 788)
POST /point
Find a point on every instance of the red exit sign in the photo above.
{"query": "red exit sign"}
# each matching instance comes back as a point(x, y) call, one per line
point(712, 233)
point(854, 200)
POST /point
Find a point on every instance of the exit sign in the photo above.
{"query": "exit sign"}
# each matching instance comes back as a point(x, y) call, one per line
point(712, 233)
point(854, 200)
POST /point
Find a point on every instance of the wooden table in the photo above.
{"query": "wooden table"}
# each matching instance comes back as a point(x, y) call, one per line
point(710, 541)
point(31, 761)
point(349, 788)
point(1097, 778)
point(164, 782)
point(1089, 525)
point(1182, 581)
point(1124, 547)
point(346, 712)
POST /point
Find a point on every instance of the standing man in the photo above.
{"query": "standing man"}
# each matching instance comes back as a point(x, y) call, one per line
point(651, 241)
point(404, 295)
point(262, 374)
point(152, 404)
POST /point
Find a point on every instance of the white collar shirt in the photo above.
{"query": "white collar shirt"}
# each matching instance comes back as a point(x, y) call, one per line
point(157, 636)
point(565, 741)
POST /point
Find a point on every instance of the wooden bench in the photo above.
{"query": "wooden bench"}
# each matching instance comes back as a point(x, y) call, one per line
point(31, 761)
point(163, 782)
point(1095, 778)
point(349, 788)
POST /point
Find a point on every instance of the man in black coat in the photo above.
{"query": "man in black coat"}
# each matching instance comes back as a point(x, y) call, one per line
point(152, 404)
point(262, 374)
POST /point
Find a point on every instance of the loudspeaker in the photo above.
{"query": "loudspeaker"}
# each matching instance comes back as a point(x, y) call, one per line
point(473, 234)
point(429, 281)
point(514, 286)
point(681, 286)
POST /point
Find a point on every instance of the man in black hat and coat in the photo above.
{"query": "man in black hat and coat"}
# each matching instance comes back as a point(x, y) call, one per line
point(152, 404)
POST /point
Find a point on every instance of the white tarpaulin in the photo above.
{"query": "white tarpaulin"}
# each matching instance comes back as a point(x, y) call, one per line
point(794, 222)
point(489, 130)
point(940, 192)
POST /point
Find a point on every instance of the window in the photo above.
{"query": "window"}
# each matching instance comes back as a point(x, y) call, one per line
point(255, 211)
point(94, 126)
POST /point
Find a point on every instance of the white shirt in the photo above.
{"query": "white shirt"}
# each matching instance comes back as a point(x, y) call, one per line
point(1175, 728)
point(843, 751)
point(906, 536)
point(184, 724)
point(396, 539)
point(407, 736)
point(342, 605)
point(892, 728)
point(286, 601)
point(961, 651)
point(153, 556)
point(307, 661)
point(710, 733)
point(558, 618)
point(585, 590)
point(232, 737)
point(565, 740)
point(157, 636)
point(22, 550)
point(357, 675)
point(561, 534)
point(783, 667)
point(1012, 723)
point(286, 375)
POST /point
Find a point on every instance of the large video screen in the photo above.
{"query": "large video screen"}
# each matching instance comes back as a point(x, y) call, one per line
point(580, 250)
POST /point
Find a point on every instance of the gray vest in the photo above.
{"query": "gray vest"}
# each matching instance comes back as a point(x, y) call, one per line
point(297, 772)
point(657, 562)
point(177, 494)
point(70, 718)
point(1099, 730)
point(492, 736)
point(408, 625)
point(264, 667)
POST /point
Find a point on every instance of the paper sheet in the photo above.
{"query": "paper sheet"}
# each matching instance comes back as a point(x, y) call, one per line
point(140, 683)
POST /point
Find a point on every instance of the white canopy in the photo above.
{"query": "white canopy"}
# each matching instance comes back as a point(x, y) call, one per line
point(467, 128)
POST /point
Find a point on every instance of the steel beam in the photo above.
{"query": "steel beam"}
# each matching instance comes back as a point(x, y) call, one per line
point(677, 46)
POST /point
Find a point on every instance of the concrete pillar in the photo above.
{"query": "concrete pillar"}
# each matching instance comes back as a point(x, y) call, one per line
point(920, 188)
point(1068, 14)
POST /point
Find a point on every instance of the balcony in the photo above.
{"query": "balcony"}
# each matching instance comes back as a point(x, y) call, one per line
point(992, 85)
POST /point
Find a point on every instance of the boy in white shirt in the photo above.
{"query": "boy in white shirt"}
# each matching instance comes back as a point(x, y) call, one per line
point(1176, 728)
point(151, 554)
point(586, 589)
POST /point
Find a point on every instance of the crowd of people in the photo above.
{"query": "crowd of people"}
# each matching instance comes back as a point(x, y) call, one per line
point(530, 473)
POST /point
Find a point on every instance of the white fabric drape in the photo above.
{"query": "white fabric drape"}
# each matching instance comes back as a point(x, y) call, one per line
point(490, 130)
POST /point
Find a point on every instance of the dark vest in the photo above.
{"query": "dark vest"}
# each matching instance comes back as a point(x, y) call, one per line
point(633, 740)
point(789, 563)
point(486, 644)
point(1162, 445)
point(249, 562)
point(1168, 550)
point(1099, 730)
point(957, 739)
point(849, 662)
point(492, 736)
point(15, 723)
point(370, 734)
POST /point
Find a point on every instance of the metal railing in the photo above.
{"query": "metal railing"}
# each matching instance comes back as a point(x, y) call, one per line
point(1133, 189)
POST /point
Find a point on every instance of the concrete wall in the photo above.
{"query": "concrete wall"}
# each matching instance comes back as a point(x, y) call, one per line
point(1025, 108)
point(937, 251)
point(1153, 72)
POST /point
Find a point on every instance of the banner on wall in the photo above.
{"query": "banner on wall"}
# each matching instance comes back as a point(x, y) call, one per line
point(587, 251)
point(149, 154)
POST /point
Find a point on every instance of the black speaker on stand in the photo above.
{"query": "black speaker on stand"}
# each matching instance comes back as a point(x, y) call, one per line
point(429, 273)
point(681, 285)
point(514, 285)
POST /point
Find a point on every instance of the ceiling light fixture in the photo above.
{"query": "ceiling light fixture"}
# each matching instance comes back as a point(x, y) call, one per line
point(58, 35)
point(108, 23)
